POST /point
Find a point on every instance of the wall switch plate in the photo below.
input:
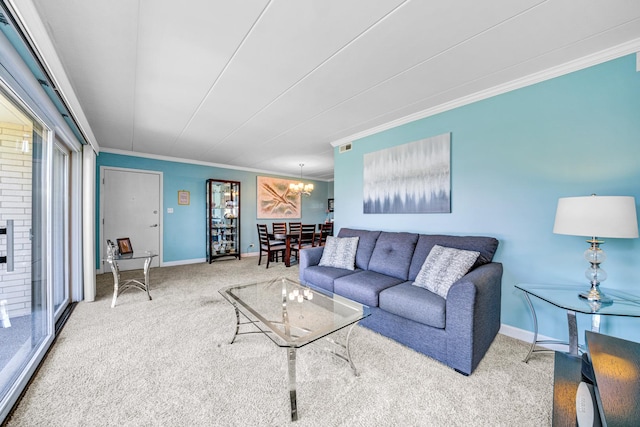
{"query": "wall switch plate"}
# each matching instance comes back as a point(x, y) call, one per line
point(169, 210)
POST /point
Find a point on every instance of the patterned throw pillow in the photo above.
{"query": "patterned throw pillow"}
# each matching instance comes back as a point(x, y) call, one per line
point(443, 267)
point(340, 252)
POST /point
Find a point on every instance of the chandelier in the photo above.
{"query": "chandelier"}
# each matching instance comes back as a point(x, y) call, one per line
point(300, 187)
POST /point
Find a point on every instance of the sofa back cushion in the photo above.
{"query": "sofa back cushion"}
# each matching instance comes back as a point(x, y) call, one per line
point(366, 243)
point(487, 247)
point(393, 254)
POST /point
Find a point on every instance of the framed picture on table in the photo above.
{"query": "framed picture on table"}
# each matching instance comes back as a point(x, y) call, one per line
point(124, 246)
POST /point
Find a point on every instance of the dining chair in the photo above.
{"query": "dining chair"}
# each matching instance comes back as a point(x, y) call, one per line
point(270, 247)
point(326, 229)
point(329, 226)
point(279, 227)
point(306, 239)
point(294, 227)
point(294, 230)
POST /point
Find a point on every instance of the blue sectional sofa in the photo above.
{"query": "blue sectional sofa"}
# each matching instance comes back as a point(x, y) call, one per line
point(456, 330)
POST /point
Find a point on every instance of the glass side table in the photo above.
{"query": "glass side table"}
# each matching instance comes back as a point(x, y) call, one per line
point(118, 287)
point(566, 297)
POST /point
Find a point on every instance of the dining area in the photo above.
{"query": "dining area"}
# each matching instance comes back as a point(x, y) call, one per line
point(284, 240)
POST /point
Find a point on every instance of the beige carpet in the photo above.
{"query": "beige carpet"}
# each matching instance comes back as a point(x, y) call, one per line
point(168, 362)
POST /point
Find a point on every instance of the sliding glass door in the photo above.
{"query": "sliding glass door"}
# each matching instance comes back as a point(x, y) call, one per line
point(26, 300)
point(60, 228)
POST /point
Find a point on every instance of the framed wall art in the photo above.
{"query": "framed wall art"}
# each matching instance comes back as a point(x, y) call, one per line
point(184, 197)
point(409, 178)
point(275, 200)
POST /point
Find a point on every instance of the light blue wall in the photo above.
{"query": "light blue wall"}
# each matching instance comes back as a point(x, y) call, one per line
point(184, 232)
point(513, 156)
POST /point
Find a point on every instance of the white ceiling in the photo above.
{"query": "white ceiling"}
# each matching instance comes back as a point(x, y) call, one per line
point(267, 85)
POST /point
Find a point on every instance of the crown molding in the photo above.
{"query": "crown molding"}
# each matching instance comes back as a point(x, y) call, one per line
point(201, 163)
point(627, 48)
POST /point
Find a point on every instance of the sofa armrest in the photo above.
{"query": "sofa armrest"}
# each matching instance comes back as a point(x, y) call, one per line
point(473, 316)
point(309, 257)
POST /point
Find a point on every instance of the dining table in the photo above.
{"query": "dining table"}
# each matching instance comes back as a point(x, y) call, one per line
point(286, 238)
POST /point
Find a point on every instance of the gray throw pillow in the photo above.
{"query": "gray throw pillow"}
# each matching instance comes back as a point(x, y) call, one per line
point(340, 252)
point(443, 267)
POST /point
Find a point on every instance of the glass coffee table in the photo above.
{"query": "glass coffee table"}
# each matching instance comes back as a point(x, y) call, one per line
point(567, 298)
point(293, 315)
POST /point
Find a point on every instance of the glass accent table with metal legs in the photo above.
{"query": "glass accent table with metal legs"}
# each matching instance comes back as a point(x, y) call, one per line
point(119, 288)
point(567, 298)
point(293, 315)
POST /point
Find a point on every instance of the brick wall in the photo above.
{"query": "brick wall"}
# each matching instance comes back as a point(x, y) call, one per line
point(15, 203)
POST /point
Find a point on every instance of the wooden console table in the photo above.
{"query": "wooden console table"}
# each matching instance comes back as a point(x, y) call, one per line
point(616, 365)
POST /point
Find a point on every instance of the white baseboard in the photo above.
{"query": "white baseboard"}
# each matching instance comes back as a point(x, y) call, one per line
point(199, 260)
point(527, 337)
point(183, 262)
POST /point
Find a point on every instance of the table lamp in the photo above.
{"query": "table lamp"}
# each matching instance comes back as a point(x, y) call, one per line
point(596, 216)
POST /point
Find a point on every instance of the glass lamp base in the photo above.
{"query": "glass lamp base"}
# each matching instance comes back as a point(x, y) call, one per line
point(594, 294)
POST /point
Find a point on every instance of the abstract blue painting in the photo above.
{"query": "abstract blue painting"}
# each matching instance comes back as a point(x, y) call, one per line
point(409, 178)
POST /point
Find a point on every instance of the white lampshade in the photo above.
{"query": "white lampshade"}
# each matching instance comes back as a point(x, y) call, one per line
point(597, 216)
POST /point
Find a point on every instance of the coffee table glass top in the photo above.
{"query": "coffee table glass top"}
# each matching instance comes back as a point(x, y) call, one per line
point(566, 297)
point(291, 314)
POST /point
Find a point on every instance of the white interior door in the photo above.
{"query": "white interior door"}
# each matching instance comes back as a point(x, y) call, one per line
point(131, 208)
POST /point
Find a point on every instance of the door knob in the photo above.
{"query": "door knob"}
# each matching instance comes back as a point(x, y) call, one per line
point(154, 225)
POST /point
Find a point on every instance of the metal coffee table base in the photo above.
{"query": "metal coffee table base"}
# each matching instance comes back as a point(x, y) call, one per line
point(291, 359)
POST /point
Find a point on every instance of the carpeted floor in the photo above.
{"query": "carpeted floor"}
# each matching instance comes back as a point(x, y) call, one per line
point(168, 362)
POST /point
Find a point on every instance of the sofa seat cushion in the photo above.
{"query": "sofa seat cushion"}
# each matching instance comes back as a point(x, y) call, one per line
point(414, 303)
point(392, 254)
point(323, 277)
point(364, 286)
